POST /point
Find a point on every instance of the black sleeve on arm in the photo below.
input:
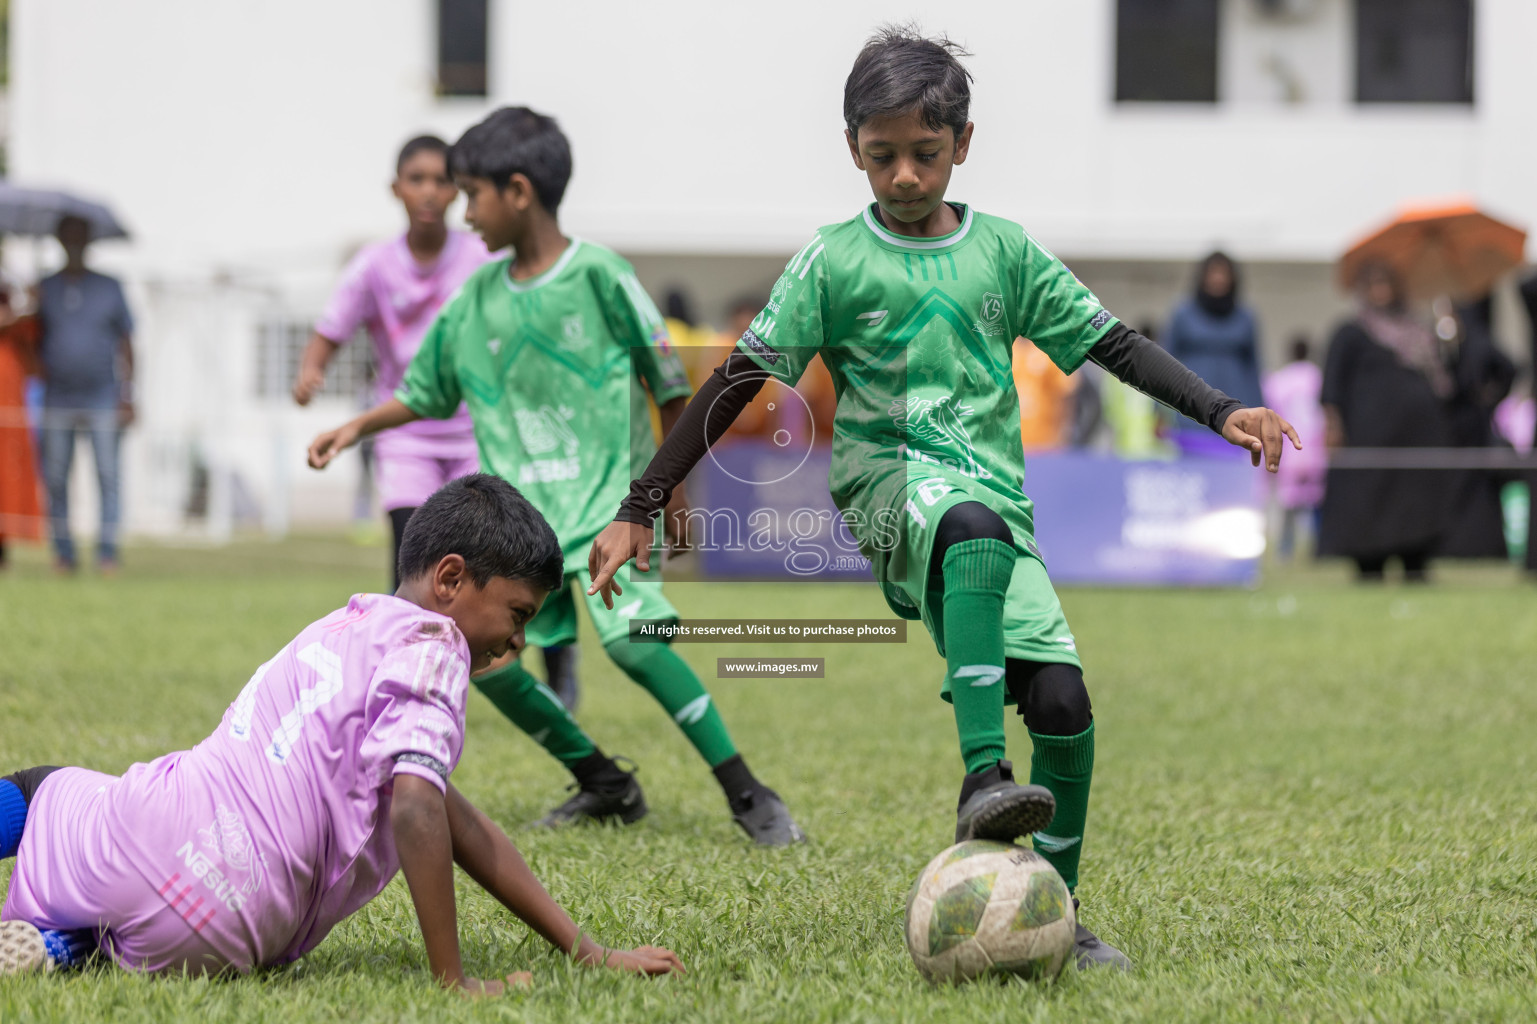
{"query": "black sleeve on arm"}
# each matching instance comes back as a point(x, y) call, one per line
point(1152, 371)
point(714, 407)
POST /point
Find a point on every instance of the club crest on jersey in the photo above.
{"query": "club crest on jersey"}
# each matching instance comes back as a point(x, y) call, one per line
point(571, 327)
point(990, 315)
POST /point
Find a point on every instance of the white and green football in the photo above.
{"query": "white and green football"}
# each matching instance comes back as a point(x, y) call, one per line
point(984, 908)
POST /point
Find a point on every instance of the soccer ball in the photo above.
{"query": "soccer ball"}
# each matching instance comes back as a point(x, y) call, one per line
point(989, 908)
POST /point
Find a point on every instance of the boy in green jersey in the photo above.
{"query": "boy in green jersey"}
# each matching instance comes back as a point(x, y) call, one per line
point(547, 350)
point(913, 305)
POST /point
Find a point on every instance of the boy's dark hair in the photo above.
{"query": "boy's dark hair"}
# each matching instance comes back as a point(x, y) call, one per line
point(899, 72)
point(483, 519)
point(516, 140)
point(421, 144)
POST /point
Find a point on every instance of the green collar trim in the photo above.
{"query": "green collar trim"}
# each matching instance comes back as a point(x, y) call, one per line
point(546, 277)
point(903, 243)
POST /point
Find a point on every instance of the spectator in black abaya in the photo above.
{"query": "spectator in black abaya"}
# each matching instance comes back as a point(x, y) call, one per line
point(1483, 376)
point(1385, 386)
point(1529, 300)
point(1217, 337)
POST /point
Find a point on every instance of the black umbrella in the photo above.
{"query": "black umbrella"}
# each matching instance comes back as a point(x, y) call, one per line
point(36, 212)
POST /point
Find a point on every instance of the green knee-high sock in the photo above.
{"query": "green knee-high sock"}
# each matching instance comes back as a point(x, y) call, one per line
point(976, 575)
point(535, 709)
point(668, 678)
point(1064, 765)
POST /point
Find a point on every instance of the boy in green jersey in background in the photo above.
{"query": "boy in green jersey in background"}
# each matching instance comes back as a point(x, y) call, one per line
point(914, 305)
point(545, 349)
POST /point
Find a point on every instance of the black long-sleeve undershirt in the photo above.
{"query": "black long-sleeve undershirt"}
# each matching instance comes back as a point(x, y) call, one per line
point(737, 381)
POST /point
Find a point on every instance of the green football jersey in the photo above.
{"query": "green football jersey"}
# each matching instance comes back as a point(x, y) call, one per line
point(918, 335)
point(549, 368)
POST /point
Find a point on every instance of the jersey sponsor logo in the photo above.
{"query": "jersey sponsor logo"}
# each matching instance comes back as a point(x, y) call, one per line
point(547, 428)
point(224, 854)
point(628, 611)
point(543, 471)
point(990, 316)
point(875, 316)
point(937, 434)
point(759, 347)
point(981, 675)
point(1100, 319)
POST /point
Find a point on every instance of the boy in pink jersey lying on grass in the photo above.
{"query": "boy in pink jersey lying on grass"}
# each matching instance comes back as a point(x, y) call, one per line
point(329, 771)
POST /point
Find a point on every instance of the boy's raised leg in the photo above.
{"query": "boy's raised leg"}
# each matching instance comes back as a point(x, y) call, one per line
point(976, 577)
point(668, 678)
point(605, 791)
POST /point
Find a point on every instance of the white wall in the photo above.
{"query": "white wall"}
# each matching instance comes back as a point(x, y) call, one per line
point(259, 137)
point(249, 148)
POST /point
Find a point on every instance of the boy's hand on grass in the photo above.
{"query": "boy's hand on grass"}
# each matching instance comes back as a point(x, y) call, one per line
point(649, 960)
point(474, 988)
point(1260, 430)
point(332, 443)
point(617, 544)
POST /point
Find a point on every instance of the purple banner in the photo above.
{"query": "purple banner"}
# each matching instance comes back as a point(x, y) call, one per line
point(762, 512)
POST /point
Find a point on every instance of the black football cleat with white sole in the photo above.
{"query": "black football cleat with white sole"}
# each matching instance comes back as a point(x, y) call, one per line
point(1090, 951)
point(765, 818)
point(993, 806)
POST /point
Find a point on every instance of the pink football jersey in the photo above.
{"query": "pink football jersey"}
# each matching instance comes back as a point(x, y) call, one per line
point(250, 847)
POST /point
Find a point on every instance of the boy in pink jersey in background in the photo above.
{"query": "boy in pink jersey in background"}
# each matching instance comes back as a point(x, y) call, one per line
point(328, 772)
point(395, 289)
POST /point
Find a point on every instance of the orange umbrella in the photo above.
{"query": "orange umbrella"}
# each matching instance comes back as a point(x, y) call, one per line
point(1446, 249)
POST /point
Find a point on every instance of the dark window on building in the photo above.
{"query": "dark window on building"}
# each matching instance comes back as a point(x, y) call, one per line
point(1166, 51)
point(1414, 51)
point(462, 47)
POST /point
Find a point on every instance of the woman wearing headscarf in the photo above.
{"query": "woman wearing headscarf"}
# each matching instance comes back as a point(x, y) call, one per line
point(1218, 338)
point(1386, 385)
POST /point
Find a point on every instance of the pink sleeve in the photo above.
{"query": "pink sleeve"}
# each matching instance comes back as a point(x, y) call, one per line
point(351, 305)
point(416, 708)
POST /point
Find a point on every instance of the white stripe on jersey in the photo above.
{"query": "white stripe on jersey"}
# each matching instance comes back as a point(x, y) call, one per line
point(811, 259)
point(796, 261)
point(644, 307)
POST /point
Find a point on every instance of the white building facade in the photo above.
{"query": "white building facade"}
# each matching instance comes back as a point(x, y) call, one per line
point(249, 149)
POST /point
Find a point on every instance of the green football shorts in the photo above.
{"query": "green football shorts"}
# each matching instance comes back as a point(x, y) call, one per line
point(642, 599)
point(1034, 627)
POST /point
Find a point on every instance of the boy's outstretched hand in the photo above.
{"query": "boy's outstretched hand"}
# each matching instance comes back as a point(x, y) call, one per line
point(616, 545)
point(1260, 430)
point(652, 960)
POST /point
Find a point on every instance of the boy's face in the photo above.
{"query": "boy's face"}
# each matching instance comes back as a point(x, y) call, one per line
point(908, 164)
point(491, 617)
point(424, 188)
point(498, 215)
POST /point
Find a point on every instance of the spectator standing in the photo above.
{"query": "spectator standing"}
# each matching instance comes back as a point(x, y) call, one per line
point(1218, 338)
point(21, 513)
point(1293, 392)
point(86, 349)
point(1385, 386)
point(1483, 377)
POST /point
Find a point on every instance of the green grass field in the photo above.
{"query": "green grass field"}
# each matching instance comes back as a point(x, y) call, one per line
point(1312, 803)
